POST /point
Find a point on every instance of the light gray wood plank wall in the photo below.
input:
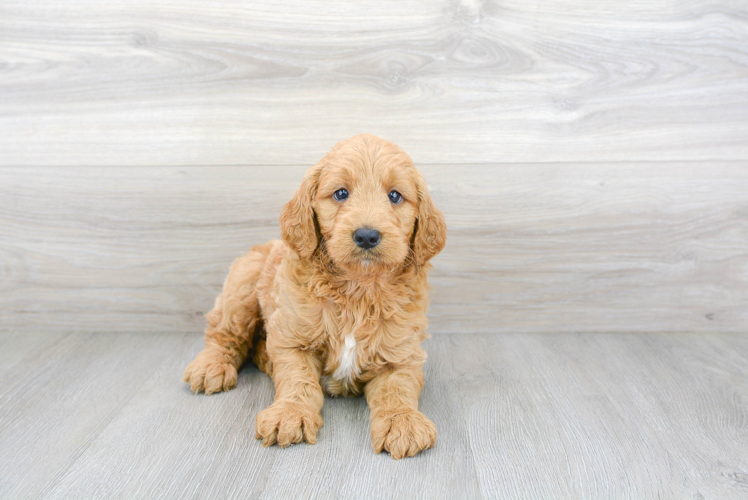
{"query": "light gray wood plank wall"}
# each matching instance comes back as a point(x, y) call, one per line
point(532, 247)
point(590, 158)
point(176, 82)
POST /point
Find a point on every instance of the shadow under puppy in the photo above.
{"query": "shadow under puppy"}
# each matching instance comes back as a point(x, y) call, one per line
point(339, 305)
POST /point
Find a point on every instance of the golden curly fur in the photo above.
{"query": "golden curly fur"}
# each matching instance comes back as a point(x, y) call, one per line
point(326, 315)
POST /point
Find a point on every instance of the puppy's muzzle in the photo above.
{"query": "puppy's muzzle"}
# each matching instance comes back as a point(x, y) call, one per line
point(366, 238)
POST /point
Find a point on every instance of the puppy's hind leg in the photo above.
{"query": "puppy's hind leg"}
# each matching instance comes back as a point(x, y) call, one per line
point(231, 325)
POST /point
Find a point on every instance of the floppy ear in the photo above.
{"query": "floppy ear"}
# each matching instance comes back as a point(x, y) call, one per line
point(431, 228)
point(297, 223)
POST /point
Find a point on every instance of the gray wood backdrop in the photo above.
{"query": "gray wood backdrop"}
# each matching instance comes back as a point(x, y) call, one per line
point(591, 157)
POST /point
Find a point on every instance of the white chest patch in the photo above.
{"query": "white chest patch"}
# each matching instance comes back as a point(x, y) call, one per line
point(348, 368)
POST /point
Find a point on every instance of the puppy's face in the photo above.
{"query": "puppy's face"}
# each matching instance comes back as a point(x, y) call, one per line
point(366, 210)
point(371, 208)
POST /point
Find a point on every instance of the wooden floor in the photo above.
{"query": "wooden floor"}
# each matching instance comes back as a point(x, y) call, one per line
point(102, 415)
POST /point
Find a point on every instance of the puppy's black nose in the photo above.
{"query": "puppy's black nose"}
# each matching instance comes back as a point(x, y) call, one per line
point(366, 238)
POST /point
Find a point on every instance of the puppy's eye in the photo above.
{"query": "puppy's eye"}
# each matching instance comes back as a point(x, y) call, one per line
point(395, 197)
point(340, 194)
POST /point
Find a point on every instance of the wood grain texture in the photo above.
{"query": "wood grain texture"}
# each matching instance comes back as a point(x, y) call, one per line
point(605, 416)
point(57, 397)
point(519, 416)
point(177, 82)
point(531, 248)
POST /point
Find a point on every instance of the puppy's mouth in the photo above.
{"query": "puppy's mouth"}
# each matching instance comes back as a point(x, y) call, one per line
point(367, 257)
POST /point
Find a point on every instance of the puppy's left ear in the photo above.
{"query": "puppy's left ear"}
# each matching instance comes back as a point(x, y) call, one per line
point(431, 228)
point(297, 225)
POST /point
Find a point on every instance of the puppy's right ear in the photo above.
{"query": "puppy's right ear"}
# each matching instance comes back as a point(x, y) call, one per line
point(297, 218)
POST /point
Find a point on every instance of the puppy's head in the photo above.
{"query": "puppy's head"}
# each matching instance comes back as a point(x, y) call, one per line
point(367, 206)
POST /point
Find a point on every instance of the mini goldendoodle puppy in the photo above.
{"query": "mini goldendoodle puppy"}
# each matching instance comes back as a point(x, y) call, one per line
point(338, 306)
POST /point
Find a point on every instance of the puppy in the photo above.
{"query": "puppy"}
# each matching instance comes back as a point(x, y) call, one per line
point(338, 306)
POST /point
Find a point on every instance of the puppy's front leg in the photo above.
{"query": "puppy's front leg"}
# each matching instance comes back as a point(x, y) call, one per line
point(295, 414)
point(215, 368)
point(396, 424)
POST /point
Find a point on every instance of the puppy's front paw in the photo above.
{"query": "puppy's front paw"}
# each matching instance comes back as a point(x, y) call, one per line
point(286, 423)
point(210, 372)
point(403, 435)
